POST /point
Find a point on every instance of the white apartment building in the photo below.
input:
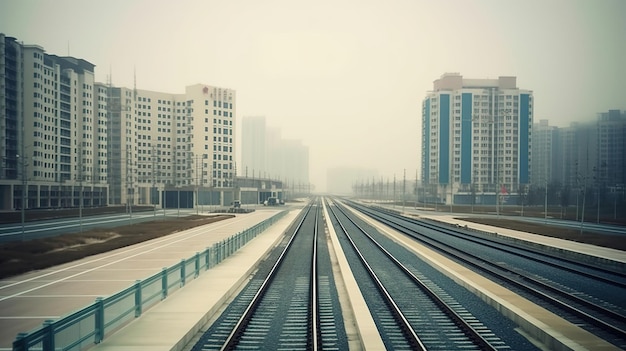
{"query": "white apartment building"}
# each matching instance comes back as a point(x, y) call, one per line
point(53, 145)
point(173, 144)
point(66, 140)
point(476, 137)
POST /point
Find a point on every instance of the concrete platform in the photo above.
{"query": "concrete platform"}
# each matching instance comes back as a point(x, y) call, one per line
point(26, 301)
point(587, 249)
point(173, 323)
point(546, 329)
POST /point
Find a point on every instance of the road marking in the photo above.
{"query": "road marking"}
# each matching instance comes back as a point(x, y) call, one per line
point(86, 220)
point(27, 317)
point(60, 296)
point(59, 226)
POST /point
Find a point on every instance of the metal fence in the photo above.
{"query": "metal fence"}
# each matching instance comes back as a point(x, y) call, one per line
point(93, 323)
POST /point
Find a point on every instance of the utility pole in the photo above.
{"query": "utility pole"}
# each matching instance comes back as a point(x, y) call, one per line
point(582, 219)
point(129, 184)
point(202, 183)
point(80, 186)
point(582, 216)
point(394, 190)
point(403, 189)
point(132, 190)
point(545, 213)
point(24, 186)
point(197, 190)
point(415, 189)
point(373, 189)
point(451, 196)
point(154, 191)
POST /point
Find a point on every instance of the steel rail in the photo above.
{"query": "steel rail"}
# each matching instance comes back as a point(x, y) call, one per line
point(314, 320)
point(467, 329)
point(501, 246)
point(490, 268)
point(233, 337)
point(404, 324)
point(314, 330)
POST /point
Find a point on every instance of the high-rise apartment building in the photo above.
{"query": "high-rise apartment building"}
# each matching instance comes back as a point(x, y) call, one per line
point(54, 138)
point(476, 137)
point(611, 165)
point(594, 154)
point(171, 141)
point(265, 154)
point(67, 140)
point(578, 144)
point(253, 146)
point(546, 150)
point(290, 160)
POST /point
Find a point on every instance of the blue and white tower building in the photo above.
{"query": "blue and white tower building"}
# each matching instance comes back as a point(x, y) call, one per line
point(476, 139)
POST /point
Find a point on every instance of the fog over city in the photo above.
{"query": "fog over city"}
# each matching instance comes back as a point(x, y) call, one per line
point(345, 77)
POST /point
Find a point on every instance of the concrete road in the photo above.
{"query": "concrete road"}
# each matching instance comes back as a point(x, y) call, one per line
point(28, 300)
point(52, 227)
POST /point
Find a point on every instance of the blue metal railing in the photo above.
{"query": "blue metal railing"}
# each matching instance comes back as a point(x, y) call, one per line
point(93, 323)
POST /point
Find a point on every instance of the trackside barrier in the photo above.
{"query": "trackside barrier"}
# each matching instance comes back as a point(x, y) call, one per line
point(90, 325)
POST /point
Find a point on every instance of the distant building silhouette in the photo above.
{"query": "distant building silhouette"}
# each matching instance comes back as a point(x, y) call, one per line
point(265, 154)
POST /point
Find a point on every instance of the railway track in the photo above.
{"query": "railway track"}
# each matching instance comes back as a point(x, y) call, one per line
point(292, 306)
point(606, 319)
point(414, 313)
point(291, 301)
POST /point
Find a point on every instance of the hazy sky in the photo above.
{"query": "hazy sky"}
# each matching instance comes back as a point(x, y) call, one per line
point(345, 77)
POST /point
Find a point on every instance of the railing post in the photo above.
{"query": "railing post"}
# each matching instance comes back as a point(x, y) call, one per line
point(20, 342)
point(215, 251)
point(182, 272)
point(207, 258)
point(138, 298)
point(225, 249)
point(197, 272)
point(164, 284)
point(48, 339)
point(99, 328)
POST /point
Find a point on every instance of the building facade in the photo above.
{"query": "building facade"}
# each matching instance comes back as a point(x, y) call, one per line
point(265, 154)
point(253, 146)
point(546, 148)
point(54, 143)
point(611, 165)
point(167, 143)
point(68, 141)
point(476, 139)
point(594, 154)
